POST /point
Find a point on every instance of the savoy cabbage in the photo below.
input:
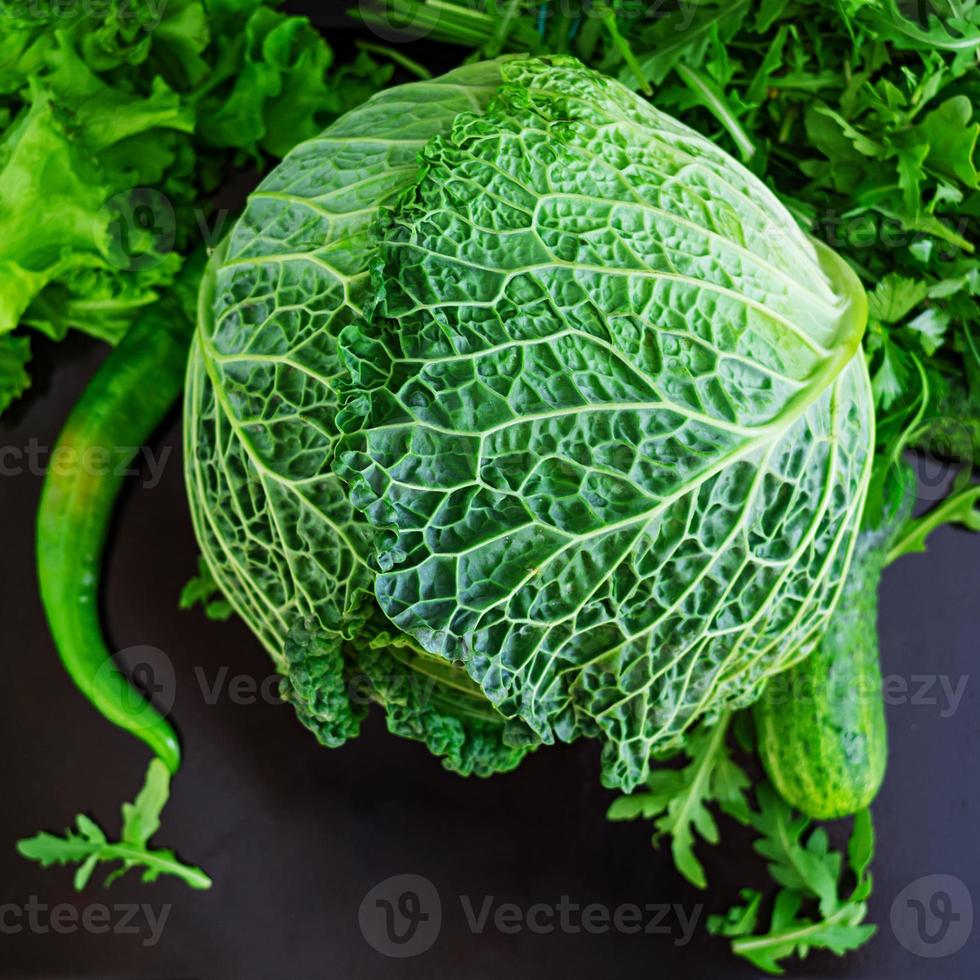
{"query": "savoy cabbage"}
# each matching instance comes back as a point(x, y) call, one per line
point(523, 410)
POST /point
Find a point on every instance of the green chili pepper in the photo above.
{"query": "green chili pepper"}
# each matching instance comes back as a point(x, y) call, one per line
point(122, 406)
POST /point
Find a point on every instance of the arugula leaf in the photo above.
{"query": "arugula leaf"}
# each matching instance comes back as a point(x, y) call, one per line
point(809, 911)
point(802, 862)
point(683, 37)
point(89, 846)
point(891, 23)
point(812, 869)
point(952, 141)
point(960, 507)
point(679, 798)
point(202, 589)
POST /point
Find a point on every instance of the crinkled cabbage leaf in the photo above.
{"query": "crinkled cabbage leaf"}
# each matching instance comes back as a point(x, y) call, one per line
point(274, 523)
point(514, 372)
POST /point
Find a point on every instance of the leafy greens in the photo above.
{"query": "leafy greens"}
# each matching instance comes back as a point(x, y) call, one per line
point(801, 860)
point(90, 846)
point(516, 406)
point(602, 432)
point(117, 124)
point(861, 114)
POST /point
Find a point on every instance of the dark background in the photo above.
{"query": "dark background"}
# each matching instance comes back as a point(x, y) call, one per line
point(295, 835)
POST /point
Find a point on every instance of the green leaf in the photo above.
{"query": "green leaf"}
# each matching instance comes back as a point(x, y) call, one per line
point(90, 845)
point(739, 920)
point(713, 99)
point(646, 804)
point(957, 29)
point(84, 872)
point(857, 138)
point(15, 352)
point(770, 64)
point(109, 121)
point(301, 577)
point(931, 326)
point(960, 507)
point(809, 872)
point(894, 297)
point(794, 935)
point(861, 847)
point(729, 786)
point(141, 818)
point(890, 380)
point(862, 114)
point(69, 188)
point(203, 590)
point(679, 798)
point(682, 37)
point(952, 140)
point(90, 830)
point(47, 849)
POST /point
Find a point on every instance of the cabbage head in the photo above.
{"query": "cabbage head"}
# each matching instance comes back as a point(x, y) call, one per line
point(524, 411)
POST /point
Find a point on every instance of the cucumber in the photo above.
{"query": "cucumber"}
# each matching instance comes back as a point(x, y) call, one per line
point(821, 724)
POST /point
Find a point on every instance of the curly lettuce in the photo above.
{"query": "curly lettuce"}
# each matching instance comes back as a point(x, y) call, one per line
point(117, 123)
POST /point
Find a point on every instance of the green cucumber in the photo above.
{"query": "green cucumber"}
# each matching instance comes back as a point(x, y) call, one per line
point(821, 723)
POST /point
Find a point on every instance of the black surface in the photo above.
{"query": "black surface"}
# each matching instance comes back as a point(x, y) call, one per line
point(295, 835)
